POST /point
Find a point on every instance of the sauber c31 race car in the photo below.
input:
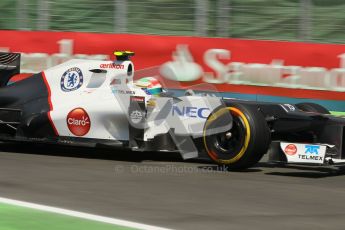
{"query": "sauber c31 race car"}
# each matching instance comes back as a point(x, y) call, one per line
point(97, 103)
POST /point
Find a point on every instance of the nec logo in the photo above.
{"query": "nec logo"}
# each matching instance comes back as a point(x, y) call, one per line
point(187, 111)
point(312, 149)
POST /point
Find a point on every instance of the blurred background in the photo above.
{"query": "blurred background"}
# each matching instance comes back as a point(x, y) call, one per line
point(268, 62)
point(295, 20)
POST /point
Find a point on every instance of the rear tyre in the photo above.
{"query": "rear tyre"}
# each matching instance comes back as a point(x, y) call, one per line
point(312, 107)
point(244, 144)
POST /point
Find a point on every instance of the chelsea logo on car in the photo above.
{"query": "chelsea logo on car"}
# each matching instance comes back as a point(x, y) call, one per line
point(71, 80)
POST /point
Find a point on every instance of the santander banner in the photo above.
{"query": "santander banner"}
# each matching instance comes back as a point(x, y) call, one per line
point(284, 69)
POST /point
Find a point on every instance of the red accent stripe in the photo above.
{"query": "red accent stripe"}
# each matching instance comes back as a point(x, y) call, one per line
point(50, 103)
point(20, 77)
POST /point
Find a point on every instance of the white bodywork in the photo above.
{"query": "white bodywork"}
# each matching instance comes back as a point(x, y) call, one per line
point(304, 153)
point(105, 97)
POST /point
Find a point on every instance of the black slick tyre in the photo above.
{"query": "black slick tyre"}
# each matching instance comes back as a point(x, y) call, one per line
point(244, 144)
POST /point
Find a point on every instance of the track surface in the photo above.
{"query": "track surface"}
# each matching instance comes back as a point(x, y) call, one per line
point(170, 193)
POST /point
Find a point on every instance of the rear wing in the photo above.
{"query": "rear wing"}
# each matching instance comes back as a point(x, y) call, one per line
point(9, 66)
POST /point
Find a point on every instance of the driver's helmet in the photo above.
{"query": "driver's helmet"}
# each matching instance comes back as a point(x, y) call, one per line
point(150, 85)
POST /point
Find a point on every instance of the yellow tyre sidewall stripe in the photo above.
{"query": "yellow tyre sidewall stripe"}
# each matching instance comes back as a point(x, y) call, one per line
point(240, 154)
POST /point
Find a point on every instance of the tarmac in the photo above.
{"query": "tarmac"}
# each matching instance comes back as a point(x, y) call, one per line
point(160, 189)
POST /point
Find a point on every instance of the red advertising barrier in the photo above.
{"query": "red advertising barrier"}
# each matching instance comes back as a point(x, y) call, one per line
point(156, 50)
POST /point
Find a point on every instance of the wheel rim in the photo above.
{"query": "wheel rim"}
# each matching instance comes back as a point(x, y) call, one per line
point(227, 145)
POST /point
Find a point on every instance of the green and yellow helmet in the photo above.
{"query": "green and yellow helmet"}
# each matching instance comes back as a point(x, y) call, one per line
point(150, 85)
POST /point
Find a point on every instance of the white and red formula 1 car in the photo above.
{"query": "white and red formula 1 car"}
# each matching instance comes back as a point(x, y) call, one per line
point(97, 103)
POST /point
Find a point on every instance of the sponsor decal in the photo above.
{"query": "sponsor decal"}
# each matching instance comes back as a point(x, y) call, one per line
point(312, 149)
point(311, 157)
point(290, 149)
point(311, 153)
point(121, 91)
point(78, 122)
point(138, 99)
point(304, 153)
point(111, 66)
point(71, 80)
point(188, 111)
point(290, 107)
point(136, 116)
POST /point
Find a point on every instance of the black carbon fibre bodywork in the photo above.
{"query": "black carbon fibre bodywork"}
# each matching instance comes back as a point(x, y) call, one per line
point(289, 124)
point(30, 98)
point(9, 66)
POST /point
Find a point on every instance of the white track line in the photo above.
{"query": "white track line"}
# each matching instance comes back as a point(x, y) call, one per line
point(82, 215)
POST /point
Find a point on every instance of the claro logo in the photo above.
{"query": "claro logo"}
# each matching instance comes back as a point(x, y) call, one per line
point(290, 149)
point(78, 122)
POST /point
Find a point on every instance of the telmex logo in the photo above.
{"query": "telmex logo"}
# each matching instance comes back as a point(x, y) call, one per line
point(78, 122)
point(312, 149)
point(111, 66)
point(187, 111)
